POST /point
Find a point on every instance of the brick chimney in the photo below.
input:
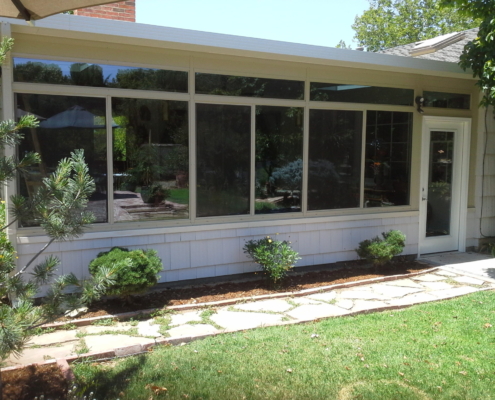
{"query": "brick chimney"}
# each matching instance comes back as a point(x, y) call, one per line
point(121, 11)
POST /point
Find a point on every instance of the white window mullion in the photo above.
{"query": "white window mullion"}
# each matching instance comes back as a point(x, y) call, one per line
point(363, 162)
point(192, 145)
point(109, 119)
point(8, 113)
point(305, 173)
point(252, 196)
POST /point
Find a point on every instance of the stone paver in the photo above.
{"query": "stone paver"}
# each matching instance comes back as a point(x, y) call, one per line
point(415, 298)
point(41, 354)
point(361, 305)
point(192, 330)
point(95, 330)
point(233, 320)
point(405, 283)
point(108, 342)
point(179, 319)
point(445, 273)
point(363, 295)
point(305, 301)
point(310, 312)
point(468, 280)
point(445, 294)
point(437, 285)
point(395, 291)
point(327, 296)
point(429, 278)
point(53, 338)
point(148, 328)
point(345, 303)
point(276, 305)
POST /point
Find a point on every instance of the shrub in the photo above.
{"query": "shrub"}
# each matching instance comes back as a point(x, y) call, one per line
point(381, 251)
point(135, 270)
point(276, 258)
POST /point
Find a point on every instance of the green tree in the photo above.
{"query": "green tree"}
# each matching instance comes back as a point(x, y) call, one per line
point(389, 23)
point(59, 208)
point(479, 55)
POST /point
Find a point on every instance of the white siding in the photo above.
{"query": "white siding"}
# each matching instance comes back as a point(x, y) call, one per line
point(217, 251)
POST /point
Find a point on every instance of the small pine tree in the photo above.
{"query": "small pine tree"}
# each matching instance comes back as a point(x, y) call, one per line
point(59, 208)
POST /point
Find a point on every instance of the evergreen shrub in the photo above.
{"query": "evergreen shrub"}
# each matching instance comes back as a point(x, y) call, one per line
point(381, 251)
point(135, 270)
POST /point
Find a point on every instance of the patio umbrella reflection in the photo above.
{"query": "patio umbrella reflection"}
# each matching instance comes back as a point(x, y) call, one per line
point(76, 117)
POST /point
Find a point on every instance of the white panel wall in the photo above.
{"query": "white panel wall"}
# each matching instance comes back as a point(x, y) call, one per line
point(485, 186)
point(216, 250)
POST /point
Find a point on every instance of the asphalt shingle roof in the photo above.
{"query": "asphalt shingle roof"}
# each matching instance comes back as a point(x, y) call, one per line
point(449, 53)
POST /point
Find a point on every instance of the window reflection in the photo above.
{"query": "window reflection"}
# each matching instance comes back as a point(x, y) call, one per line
point(98, 75)
point(223, 140)
point(66, 123)
point(279, 142)
point(150, 159)
point(388, 154)
point(338, 92)
point(228, 85)
point(447, 100)
point(334, 159)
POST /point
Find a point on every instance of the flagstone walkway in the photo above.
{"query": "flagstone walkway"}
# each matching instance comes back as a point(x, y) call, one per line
point(107, 338)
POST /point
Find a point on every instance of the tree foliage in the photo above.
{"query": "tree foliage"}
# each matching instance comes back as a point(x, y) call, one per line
point(479, 55)
point(389, 23)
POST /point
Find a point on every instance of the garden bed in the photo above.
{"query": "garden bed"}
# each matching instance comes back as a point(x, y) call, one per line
point(254, 285)
point(33, 380)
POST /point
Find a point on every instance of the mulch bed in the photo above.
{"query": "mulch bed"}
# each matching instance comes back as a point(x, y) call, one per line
point(327, 275)
point(34, 380)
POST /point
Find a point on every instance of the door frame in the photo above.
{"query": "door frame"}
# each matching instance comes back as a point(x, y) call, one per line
point(462, 127)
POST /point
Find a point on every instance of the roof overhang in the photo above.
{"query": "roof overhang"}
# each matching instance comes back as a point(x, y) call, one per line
point(120, 32)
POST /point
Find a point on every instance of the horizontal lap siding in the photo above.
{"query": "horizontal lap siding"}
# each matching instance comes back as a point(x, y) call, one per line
point(218, 252)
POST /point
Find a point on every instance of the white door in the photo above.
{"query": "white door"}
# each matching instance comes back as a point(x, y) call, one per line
point(444, 176)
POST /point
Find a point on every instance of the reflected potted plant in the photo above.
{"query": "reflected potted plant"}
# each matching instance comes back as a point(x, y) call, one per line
point(145, 171)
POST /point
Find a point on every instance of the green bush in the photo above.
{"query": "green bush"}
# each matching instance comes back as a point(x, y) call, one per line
point(381, 251)
point(276, 258)
point(135, 270)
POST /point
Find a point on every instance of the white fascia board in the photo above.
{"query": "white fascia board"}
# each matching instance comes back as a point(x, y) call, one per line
point(110, 31)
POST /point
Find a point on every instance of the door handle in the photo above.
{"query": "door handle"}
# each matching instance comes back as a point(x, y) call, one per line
point(424, 198)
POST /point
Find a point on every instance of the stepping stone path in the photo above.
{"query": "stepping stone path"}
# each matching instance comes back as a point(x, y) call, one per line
point(131, 337)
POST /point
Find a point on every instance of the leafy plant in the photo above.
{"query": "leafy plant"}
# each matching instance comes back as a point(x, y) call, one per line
point(275, 257)
point(135, 270)
point(381, 251)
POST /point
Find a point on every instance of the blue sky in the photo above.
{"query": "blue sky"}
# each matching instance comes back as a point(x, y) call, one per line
point(318, 22)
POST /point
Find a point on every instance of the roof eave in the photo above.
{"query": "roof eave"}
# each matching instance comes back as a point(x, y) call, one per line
point(101, 30)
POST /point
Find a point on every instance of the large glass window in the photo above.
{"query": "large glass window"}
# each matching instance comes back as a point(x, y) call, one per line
point(223, 148)
point(98, 75)
point(228, 85)
point(279, 147)
point(150, 159)
point(447, 100)
point(338, 92)
point(388, 158)
point(67, 123)
point(334, 159)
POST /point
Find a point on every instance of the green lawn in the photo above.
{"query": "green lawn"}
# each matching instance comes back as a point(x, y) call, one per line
point(443, 350)
point(179, 196)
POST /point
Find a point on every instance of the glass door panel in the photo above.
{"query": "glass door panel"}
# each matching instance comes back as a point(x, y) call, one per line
point(440, 179)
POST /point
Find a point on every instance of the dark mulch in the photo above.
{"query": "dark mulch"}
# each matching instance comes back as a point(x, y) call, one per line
point(34, 380)
point(327, 275)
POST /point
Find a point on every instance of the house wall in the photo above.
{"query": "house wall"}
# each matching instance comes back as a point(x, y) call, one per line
point(120, 11)
point(209, 247)
point(485, 176)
